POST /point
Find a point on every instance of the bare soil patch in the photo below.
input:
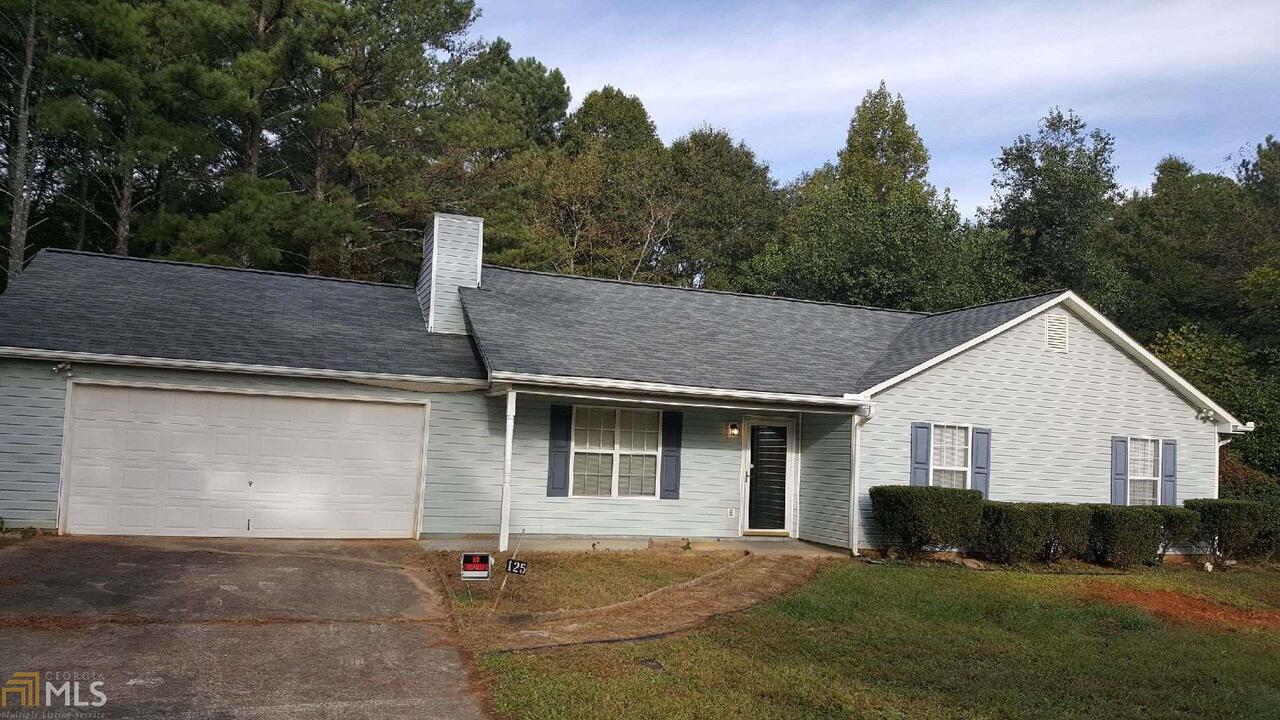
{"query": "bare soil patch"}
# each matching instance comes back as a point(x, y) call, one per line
point(1180, 608)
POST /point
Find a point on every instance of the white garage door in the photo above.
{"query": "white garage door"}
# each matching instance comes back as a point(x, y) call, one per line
point(175, 462)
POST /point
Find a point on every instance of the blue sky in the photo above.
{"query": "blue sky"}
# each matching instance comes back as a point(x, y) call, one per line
point(1196, 79)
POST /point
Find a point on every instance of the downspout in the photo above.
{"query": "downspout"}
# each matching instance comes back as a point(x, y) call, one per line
point(855, 478)
point(504, 527)
point(1217, 465)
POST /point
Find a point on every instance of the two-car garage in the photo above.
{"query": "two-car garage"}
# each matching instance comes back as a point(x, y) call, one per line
point(203, 462)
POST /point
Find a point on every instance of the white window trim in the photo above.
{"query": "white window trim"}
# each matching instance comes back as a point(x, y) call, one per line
point(617, 452)
point(1128, 477)
point(968, 468)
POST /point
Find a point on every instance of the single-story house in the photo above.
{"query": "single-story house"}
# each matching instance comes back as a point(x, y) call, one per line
point(141, 397)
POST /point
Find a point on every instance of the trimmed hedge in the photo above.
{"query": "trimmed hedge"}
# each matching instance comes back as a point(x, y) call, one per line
point(916, 518)
point(1229, 527)
point(1015, 532)
point(1018, 532)
point(1179, 527)
point(1266, 490)
point(1123, 536)
point(1068, 532)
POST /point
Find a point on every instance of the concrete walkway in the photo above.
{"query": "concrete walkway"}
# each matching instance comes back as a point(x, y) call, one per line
point(754, 545)
point(200, 628)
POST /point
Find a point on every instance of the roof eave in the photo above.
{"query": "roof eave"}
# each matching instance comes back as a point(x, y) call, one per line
point(850, 400)
point(1226, 422)
point(20, 353)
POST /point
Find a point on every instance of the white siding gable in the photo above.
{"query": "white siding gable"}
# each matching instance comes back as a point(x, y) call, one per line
point(1051, 413)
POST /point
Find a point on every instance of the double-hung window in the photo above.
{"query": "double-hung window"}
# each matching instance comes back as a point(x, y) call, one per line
point(615, 452)
point(1144, 471)
point(950, 466)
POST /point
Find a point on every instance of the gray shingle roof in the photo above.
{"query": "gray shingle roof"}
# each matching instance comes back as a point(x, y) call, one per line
point(545, 324)
point(523, 321)
point(85, 302)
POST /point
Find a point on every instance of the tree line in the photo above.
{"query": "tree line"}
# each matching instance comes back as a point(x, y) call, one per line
point(319, 136)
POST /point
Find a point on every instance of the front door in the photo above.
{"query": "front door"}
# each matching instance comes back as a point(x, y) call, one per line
point(768, 455)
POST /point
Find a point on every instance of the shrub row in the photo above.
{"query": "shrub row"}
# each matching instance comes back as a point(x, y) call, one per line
point(1018, 532)
point(1229, 527)
point(931, 518)
point(917, 518)
point(1264, 489)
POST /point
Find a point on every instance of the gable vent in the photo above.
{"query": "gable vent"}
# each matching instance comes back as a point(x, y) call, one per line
point(1055, 333)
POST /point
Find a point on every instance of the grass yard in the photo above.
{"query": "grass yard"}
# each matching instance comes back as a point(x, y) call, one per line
point(574, 581)
point(931, 641)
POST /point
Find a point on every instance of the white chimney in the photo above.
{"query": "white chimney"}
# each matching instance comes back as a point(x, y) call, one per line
point(451, 252)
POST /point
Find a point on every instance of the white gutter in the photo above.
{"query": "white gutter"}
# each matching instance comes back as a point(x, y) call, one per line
point(504, 524)
point(848, 400)
point(140, 361)
point(570, 393)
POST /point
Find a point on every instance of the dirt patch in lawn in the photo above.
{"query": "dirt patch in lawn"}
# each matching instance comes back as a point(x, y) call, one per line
point(1177, 607)
point(681, 607)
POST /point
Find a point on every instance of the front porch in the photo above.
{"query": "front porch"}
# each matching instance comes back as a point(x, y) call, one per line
point(630, 469)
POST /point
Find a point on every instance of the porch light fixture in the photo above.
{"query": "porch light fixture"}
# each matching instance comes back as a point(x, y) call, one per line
point(734, 429)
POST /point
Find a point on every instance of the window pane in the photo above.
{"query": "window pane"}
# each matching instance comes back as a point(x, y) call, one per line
point(1144, 458)
point(950, 446)
point(638, 430)
point(1142, 491)
point(950, 478)
point(637, 475)
point(592, 474)
point(593, 429)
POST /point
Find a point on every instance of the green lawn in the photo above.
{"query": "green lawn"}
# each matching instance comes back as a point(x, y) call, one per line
point(902, 641)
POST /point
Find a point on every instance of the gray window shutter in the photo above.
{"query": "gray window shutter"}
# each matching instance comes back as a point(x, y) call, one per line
point(672, 434)
point(1119, 470)
point(981, 460)
point(558, 459)
point(920, 453)
point(1169, 472)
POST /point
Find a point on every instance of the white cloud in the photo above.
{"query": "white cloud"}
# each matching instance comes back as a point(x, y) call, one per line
point(786, 76)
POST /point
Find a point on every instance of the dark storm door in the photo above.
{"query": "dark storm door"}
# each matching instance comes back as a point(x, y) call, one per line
point(767, 479)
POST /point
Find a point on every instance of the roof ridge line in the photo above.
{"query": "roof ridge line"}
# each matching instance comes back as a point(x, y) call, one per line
point(858, 384)
point(919, 313)
point(1046, 293)
point(205, 266)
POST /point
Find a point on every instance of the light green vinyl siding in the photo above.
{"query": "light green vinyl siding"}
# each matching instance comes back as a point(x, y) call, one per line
point(1052, 415)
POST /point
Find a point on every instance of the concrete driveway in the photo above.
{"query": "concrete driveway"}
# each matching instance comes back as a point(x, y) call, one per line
point(200, 628)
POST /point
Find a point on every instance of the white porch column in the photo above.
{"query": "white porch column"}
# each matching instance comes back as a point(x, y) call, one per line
point(855, 480)
point(504, 529)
